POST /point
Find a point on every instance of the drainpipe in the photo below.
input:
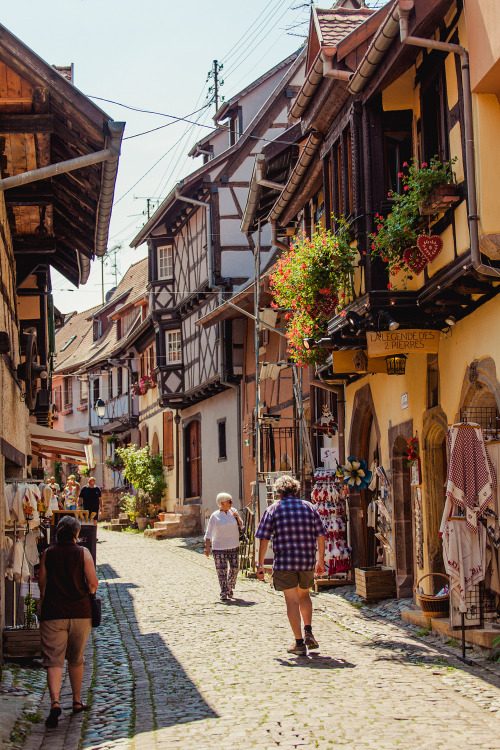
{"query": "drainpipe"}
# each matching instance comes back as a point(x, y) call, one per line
point(330, 72)
point(405, 7)
point(274, 238)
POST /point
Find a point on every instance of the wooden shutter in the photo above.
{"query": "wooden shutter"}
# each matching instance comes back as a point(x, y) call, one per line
point(168, 439)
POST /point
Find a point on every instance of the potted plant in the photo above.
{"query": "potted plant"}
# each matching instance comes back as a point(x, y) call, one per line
point(395, 240)
point(145, 472)
point(84, 470)
point(310, 281)
point(111, 439)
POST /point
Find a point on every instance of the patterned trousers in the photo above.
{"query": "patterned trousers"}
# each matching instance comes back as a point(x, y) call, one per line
point(227, 579)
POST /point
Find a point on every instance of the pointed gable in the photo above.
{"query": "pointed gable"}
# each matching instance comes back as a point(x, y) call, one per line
point(329, 26)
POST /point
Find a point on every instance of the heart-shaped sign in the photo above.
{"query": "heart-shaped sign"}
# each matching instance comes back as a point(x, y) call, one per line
point(430, 247)
point(414, 259)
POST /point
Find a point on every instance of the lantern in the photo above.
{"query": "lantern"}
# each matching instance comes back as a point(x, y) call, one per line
point(396, 364)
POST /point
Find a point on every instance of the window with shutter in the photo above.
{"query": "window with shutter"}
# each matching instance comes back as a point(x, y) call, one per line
point(168, 439)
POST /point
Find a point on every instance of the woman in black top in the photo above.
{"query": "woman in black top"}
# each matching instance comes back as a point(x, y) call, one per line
point(67, 576)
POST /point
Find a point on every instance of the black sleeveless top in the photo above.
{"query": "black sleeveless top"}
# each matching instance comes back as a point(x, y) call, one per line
point(66, 592)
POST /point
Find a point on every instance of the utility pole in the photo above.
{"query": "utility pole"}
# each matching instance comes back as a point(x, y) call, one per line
point(151, 204)
point(114, 266)
point(213, 91)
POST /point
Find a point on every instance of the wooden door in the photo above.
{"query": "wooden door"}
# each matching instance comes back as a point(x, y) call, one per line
point(193, 460)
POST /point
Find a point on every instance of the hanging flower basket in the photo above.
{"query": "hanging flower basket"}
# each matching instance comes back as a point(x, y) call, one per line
point(325, 305)
point(115, 463)
point(308, 281)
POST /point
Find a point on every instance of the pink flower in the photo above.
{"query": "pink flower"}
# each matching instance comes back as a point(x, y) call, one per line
point(400, 174)
point(424, 164)
point(406, 188)
point(373, 246)
point(342, 313)
point(274, 305)
point(405, 164)
point(385, 259)
point(389, 285)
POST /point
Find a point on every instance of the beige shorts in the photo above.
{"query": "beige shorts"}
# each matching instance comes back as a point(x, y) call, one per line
point(64, 639)
point(290, 579)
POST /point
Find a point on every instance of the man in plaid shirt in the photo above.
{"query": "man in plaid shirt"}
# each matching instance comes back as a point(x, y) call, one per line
point(296, 528)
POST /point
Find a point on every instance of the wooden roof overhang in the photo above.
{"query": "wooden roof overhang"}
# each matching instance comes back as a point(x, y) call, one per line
point(45, 120)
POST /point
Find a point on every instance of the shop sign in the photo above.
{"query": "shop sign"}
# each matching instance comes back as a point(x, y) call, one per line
point(383, 343)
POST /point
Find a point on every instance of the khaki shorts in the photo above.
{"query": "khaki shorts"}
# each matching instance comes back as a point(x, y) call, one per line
point(290, 579)
point(64, 639)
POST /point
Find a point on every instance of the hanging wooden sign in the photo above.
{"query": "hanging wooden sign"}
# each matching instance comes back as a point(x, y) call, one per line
point(383, 343)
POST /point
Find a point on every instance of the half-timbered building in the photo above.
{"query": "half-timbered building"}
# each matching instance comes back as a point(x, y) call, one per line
point(197, 258)
point(398, 88)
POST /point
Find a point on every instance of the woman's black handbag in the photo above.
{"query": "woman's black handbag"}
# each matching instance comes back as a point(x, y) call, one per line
point(95, 606)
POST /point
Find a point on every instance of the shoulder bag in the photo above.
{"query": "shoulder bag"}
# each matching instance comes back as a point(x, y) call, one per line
point(96, 608)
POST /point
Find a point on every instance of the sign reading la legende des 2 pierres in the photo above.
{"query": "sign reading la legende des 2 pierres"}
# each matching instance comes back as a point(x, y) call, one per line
point(383, 343)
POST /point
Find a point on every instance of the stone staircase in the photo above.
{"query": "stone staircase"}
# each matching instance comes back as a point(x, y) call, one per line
point(185, 521)
point(117, 524)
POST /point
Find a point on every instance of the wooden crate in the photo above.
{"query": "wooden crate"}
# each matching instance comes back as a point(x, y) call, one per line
point(21, 644)
point(376, 582)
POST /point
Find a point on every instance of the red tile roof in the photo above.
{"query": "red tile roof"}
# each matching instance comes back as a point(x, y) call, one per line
point(333, 24)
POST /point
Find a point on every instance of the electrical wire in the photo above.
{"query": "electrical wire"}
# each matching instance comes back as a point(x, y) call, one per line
point(236, 45)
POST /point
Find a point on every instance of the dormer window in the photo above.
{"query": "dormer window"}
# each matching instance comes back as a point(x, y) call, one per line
point(165, 262)
point(235, 125)
point(97, 330)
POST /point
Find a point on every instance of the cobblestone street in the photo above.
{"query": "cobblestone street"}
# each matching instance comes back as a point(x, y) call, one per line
point(172, 666)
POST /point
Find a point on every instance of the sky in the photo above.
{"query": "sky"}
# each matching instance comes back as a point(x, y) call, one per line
point(153, 55)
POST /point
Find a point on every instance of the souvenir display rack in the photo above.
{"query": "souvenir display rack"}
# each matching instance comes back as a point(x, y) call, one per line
point(329, 496)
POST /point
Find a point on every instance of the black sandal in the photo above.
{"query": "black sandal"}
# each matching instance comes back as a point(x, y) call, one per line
point(78, 707)
point(52, 719)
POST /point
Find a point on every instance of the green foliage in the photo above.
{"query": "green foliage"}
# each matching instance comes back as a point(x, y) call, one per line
point(399, 231)
point(84, 470)
point(310, 281)
point(144, 471)
point(496, 642)
point(134, 505)
point(29, 612)
point(111, 439)
point(116, 462)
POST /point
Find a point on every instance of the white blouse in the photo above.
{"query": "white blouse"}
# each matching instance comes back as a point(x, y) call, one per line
point(222, 530)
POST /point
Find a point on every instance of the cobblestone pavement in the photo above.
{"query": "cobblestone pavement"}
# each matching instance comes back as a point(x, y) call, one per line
point(173, 667)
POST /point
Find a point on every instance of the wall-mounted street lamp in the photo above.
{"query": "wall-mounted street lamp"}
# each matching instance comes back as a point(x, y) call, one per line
point(393, 324)
point(396, 364)
point(100, 408)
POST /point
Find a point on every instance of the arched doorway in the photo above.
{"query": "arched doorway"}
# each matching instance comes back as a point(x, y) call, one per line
point(192, 448)
point(402, 519)
point(364, 441)
point(434, 464)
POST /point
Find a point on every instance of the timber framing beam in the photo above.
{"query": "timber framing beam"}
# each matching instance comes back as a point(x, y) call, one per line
point(31, 244)
point(26, 123)
point(34, 194)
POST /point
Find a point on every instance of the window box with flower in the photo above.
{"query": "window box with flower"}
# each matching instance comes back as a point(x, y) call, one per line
point(427, 189)
point(310, 281)
point(145, 384)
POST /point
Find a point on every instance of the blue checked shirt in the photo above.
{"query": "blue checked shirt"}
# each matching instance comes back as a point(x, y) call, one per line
point(294, 526)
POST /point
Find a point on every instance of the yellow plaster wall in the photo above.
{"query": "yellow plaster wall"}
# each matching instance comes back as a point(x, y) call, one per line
point(399, 95)
point(155, 424)
point(486, 131)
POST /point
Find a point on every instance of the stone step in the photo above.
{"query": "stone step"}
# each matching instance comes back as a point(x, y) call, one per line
point(122, 521)
point(170, 519)
point(116, 526)
point(123, 517)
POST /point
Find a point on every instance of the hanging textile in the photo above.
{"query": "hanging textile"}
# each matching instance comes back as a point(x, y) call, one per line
point(464, 553)
point(328, 495)
point(471, 477)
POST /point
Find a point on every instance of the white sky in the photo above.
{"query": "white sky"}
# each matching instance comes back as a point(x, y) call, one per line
point(154, 55)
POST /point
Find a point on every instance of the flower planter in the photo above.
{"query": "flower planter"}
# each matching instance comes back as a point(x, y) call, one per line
point(375, 582)
point(19, 643)
point(441, 199)
point(142, 523)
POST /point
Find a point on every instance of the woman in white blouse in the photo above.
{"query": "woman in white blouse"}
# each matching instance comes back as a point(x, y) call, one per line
point(223, 534)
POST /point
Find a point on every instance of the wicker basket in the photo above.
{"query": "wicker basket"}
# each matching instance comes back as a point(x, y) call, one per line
point(433, 606)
